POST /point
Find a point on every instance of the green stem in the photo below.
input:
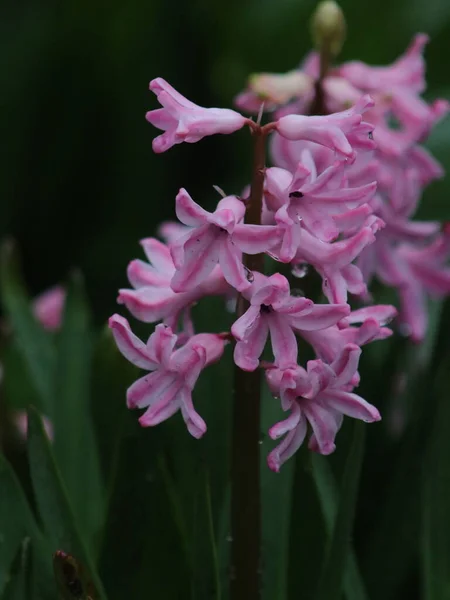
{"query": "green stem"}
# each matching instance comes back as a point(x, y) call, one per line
point(245, 459)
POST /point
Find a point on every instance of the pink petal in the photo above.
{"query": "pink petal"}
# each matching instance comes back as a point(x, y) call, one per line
point(160, 345)
point(166, 406)
point(148, 389)
point(132, 348)
point(351, 405)
point(346, 365)
point(247, 353)
point(232, 268)
point(254, 239)
point(194, 423)
point(283, 340)
point(323, 426)
point(283, 427)
point(142, 274)
point(188, 211)
point(249, 321)
point(188, 362)
point(320, 317)
point(201, 253)
point(288, 447)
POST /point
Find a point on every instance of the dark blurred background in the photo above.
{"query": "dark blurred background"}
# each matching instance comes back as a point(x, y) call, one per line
point(79, 184)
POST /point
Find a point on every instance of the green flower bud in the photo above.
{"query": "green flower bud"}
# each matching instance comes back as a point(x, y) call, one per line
point(328, 28)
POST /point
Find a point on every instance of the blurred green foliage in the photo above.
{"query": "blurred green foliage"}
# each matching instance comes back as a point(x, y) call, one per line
point(146, 511)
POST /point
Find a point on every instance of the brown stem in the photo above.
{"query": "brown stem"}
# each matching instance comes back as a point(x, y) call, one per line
point(245, 459)
point(318, 104)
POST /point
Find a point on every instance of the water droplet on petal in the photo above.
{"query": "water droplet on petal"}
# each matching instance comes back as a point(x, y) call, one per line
point(249, 274)
point(231, 305)
point(300, 270)
point(273, 256)
point(405, 329)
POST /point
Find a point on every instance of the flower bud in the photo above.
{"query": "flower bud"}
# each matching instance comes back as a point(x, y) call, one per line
point(328, 28)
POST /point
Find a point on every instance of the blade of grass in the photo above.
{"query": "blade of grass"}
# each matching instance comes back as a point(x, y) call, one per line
point(354, 588)
point(33, 342)
point(52, 500)
point(331, 580)
point(75, 448)
point(435, 498)
point(19, 586)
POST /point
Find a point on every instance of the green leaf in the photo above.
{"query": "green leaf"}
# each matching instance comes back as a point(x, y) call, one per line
point(51, 497)
point(34, 343)
point(19, 586)
point(74, 446)
point(16, 524)
point(331, 580)
point(307, 530)
point(392, 492)
point(328, 495)
point(16, 520)
point(435, 500)
point(276, 496)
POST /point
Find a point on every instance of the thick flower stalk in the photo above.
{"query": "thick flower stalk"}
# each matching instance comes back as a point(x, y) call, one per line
point(340, 201)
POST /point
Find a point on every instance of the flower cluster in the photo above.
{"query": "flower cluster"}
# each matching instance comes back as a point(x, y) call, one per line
point(338, 202)
point(407, 255)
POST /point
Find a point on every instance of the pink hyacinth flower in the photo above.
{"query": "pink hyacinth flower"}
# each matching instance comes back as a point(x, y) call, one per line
point(344, 132)
point(407, 71)
point(332, 261)
point(274, 311)
point(216, 238)
point(152, 298)
point(361, 327)
point(319, 396)
point(173, 372)
point(184, 121)
point(317, 202)
point(48, 307)
point(417, 272)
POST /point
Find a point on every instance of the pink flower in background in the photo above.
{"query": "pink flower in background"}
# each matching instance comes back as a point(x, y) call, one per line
point(173, 372)
point(406, 72)
point(320, 396)
point(21, 421)
point(183, 121)
point(48, 307)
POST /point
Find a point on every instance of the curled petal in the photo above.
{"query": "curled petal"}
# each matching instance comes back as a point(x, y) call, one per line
point(247, 353)
point(351, 405)
point(130, 345)
point(288, 447)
